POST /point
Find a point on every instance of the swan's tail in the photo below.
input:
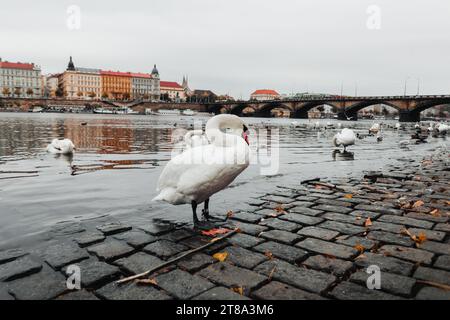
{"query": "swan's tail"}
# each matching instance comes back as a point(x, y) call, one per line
point(335, 141)
point(168, 195)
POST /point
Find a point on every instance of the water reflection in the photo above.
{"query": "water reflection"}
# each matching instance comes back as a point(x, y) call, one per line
point(339, 155)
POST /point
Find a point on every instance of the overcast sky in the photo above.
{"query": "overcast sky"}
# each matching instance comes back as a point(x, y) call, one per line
point(237, 46)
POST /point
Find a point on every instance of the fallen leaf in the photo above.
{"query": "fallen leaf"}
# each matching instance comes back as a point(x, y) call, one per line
point(418, 204)
point(271, 273)
point(368, 222)
point(214, 232)
point(239, 290)
point(280, 209)
point(221, 256)
point(421, 238)
point(360, 248)
point(348, 196)
point(147, 282)
point(435, 213)
point(230, 213)
point(269, 255)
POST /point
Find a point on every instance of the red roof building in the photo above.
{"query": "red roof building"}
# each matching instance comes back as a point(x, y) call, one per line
point(264, 94)
point(170, 84)
point(172, 91)
point(16, 65)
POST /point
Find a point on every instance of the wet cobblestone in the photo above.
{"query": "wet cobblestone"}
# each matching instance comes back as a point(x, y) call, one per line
point(297, 242)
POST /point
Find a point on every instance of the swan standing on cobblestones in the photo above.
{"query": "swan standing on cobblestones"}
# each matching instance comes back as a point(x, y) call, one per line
point(61, 146)
point(193, 176)
point(345, 138)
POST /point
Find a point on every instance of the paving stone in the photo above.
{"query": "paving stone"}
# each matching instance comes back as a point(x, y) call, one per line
point(281, 251)
point(182, 285)
point(345, 228)
point(430, 234)
point(428, 217)
point(44, 285)
point(164, 248)
point(328, 248)
point(113, 228)
point(280, 224)
point(390, 282)
point(331, 208)
point(256, 202)
point(365, 214)
point(388, 264)
point(332, 202)
point(305, 204)
point(60, 254)
point(263, 213)
point(280, 236)
point(300, 277)
point(78, 295)
point(63, 229)
point(220, 293)
point(198, 241)
point(136, 239)
point(252, 229)
point(431, 293)
point(410, 254)
point(274, 205)
point(4, 295)
point(131, 291)
point(442, 227)
point(355, 200)
point(406, 221)
point(279, 291)
point(111, 250)
point(389, 227)
point(231, 276)
point(380, 209)
point(437, 247)
point(351, 291)
point(244, 240)
point(443, 262)
point(86, 239)
point(195, 262)
point(306, 198)
point(177, 235)
point(354, 241)
point(247, 217)
point(244, 258)
point(307, 211)
point(301, 219)
point(157, 229)
point(319, 233)
point(138, 262)
point(433, 275)
point(343, 218)
point(18, 268)
point(11, 254)
point(391, 238)
point(329, 265)
point(317, 194)
point(94, 272)
point(277, 199)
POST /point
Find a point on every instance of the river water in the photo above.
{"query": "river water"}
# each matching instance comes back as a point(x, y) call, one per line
point(118, 160)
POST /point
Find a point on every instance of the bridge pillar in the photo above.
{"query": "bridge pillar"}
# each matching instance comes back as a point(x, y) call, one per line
point(299, 114)
point(409, 116)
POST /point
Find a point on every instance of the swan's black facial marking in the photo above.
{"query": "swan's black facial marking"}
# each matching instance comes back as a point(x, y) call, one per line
point(245, 128)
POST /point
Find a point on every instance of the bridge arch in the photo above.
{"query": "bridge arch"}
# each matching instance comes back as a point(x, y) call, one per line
point(266, 109)
point(422, 106)
point(238, 108)
point(351, 112)
point(301, 111)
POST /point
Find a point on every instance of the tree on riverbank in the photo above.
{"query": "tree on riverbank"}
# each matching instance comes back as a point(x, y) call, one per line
point(30, 92)
point(17, 92)
point(6, 92)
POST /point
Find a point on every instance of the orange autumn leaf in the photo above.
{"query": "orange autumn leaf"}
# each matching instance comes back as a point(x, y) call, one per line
point(221, 256)
point(230, 213)
point(214, 232)
point(279, 209)
point(360, 248)
point(269, 255)
point(368, 222)
point(418, 204)
point(239, 290)
point(421, 238)
point(348, 196)
point(435, 213)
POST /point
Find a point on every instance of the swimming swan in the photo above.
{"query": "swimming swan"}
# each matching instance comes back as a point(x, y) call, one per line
point(345, 138)
point(61, 146)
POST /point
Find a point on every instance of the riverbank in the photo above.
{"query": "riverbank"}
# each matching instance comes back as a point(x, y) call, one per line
point(307, 241)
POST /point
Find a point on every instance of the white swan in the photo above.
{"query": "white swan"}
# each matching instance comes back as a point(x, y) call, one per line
point(375, 128)
point(345, 138)
point(61, 146)
point(195, 138)
point(199, 172)
point(443, 128)
point(397, 126)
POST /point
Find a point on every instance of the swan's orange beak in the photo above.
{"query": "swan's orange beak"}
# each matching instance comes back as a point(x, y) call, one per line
point(245, 136)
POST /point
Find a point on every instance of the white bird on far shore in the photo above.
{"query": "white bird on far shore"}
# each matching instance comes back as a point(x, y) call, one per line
point(345, 138)
point(61, 146)
point(375, 128)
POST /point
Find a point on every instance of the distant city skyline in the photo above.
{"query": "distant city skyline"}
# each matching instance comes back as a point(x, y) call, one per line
point(235, 47)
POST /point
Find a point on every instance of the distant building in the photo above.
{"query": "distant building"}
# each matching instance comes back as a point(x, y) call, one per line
point(20, 80)
point(80, 83)
point(51, 85)
point(145, 86)
point(116, 85)
point(172, 91)
point(203, 96)
point(264, 94)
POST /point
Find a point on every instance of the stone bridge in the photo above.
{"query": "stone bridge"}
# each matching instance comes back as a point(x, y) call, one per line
point(409, 107)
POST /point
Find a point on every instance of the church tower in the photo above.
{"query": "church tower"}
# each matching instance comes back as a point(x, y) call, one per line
point(70, 66)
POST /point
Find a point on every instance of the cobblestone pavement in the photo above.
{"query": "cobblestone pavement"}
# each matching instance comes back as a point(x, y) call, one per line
point(310, 241)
